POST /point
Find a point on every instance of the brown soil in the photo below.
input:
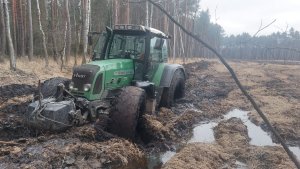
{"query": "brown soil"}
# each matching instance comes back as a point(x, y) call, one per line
point(276, 88)
point(210, 93)
point(89, 146)
point(232, 145)
point(77, 148)
point(232, 135)
point(200, 155)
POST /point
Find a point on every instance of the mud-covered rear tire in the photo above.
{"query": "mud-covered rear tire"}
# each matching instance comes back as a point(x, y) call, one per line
point(175, 91)
point(127, 108)
point(49, 87)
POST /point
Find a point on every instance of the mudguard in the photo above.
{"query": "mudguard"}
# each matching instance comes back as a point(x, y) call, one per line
point(168, 74)
point(149, 88)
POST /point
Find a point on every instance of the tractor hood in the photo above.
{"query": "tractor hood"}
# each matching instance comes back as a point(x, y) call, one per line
point(111, 64)
point(94, 79)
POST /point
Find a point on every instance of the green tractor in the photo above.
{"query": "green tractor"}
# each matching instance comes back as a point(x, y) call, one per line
point(128, 76)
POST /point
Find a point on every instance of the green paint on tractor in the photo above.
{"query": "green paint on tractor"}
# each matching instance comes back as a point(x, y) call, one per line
point(128, 76)
point(116, 73)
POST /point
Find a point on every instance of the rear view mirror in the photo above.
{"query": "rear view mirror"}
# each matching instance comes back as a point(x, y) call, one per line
point(159, 43)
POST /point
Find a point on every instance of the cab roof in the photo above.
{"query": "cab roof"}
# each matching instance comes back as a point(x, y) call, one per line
point(140, 28)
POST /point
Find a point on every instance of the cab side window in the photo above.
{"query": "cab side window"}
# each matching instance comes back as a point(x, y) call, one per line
point(99, 51)
point(155, 49)
point(165, 51)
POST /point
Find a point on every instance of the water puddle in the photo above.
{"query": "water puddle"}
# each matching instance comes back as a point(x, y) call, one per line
point(204, 133)
point(241, 165)
point(296, 151)
point(167, 156)
point(257, 135)
point(158, 159)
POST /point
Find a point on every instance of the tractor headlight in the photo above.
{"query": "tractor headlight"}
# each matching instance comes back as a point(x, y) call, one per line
point(71, 86)
point(87, 87)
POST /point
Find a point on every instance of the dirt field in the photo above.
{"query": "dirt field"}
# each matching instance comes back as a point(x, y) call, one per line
point(210, 94)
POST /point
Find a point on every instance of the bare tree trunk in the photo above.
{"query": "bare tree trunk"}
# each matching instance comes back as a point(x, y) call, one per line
point(46, 9)
point(14, 24)
point(69, 33)
point(30, 51)
point(116, 11)
point(47, 26)
point(175, 34)
point(3, 31)
point(182, 47)
point(43, 33)
point(64, 48)
point(53, 29)
point(147, 13)
point(85, 31)
point(151, 16)
point(76, 36)
point(127, 9)
point(22, 31)
point(8, 35)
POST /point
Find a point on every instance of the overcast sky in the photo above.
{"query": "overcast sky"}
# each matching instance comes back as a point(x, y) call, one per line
point(237, 16)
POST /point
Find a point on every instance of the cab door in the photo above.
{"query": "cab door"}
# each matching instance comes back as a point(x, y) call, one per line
point(156, 55)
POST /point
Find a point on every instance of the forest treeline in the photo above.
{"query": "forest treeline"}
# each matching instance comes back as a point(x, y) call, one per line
point(277, 46)
point(58, 29)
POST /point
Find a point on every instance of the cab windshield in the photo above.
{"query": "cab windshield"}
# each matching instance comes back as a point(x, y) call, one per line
point(127, 47)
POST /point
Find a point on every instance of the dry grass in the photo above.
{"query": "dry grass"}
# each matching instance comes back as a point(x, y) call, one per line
point(276, 89)
point(31, 72)
point(188, 60)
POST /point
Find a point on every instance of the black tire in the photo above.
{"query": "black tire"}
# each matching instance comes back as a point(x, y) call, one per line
point(49, 87)
point(175, 91)
point(126, 110)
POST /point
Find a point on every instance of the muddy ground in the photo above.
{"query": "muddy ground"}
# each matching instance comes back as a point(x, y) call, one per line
point(231, 150)
point(210, 93)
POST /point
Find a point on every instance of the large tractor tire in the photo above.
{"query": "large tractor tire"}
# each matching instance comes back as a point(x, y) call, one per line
point(49, 87)
point(127, 108)
point(175, 91)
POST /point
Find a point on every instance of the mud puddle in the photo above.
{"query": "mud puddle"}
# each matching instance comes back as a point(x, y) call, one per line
point(257, 135)
point(203, 133)
point(241, 165)
point(296, 151)
point(156, 160)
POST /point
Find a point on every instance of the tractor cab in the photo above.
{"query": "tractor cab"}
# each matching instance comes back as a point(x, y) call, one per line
point(145, 46)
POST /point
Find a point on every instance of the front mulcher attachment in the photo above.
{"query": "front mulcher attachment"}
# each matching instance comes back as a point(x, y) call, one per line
point(51, 115)
point(56, 113)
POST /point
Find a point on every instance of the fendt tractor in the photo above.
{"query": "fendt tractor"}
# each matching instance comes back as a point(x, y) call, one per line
point(128, 75)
